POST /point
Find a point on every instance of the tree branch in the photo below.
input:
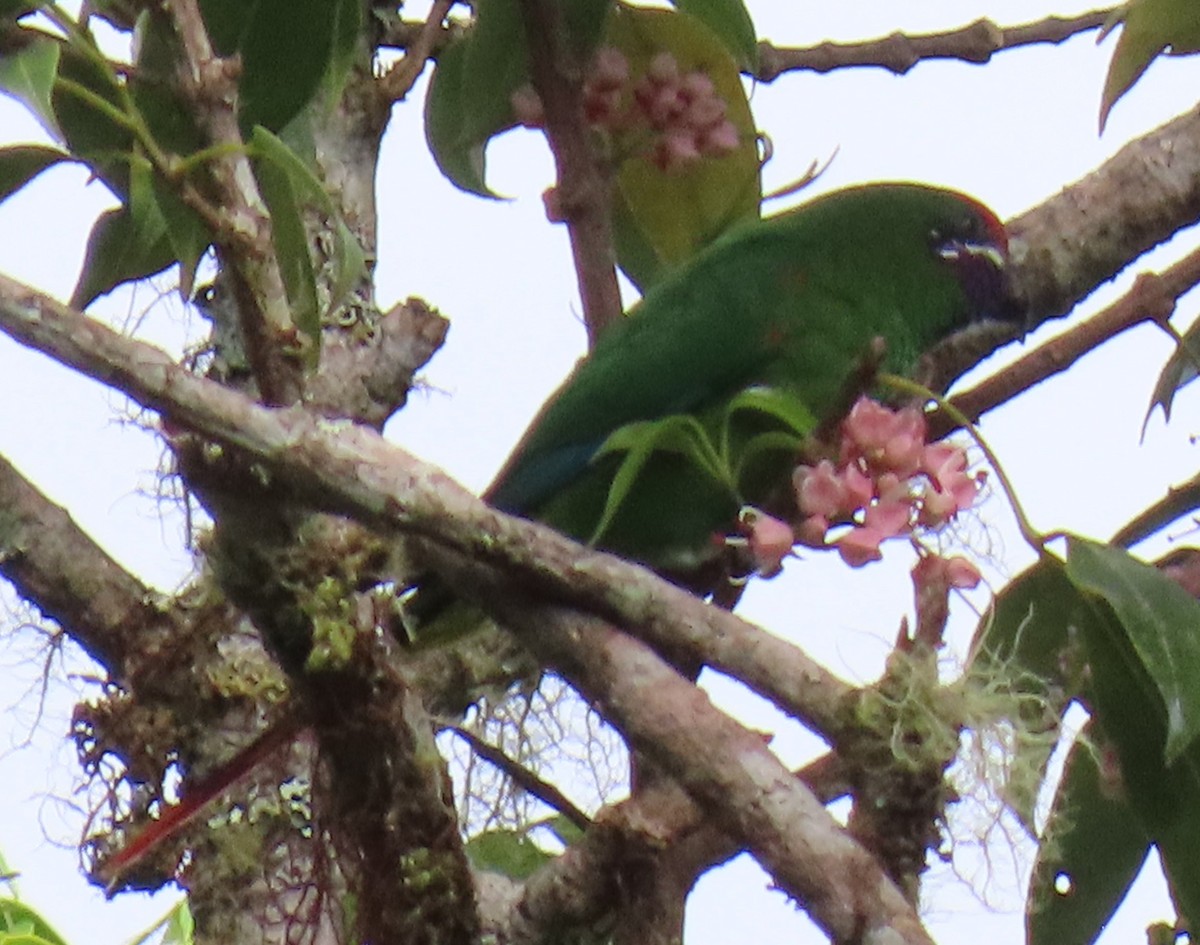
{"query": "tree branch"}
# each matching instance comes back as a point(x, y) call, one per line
point(1143, 195)
point(53, 564)
point(729, 770)
point(1178, 501)
point(1151, 299)
point(348, 469)
point(525, 779)
point(398, 81)
point(269, 335)
point(899, 52)
point(584, 189)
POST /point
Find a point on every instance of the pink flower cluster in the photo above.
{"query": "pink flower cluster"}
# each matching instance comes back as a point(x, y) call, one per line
point(682, 111)
point(887, 481)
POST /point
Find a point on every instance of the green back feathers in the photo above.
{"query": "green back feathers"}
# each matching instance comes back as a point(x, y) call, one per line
point(790, 302)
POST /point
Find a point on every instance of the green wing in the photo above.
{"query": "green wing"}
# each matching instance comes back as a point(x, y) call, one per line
point(791, 302)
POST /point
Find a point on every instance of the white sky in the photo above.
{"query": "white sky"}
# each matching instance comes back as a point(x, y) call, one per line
point(1012, 132)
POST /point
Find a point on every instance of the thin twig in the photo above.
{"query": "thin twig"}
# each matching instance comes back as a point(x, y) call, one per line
point(1151, 299)
point(899, 52)
point(525, 779)
point(398, 81)
point(1179, 501)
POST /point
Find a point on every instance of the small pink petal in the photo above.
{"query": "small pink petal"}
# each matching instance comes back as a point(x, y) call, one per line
point(946, 466)
point(819, 490)
point(859, 546)
point(663, 110)
point(812, 531)
point(888, 519)
point(663, 68)
point(704, 113)
point(676, 148)
point(770, 540)
point(937, 507)
point(720, 139)
point(859, 488)
point(868, 426)
point(697, 85)
point(962, 573)
point(891, 488)
point(610, 69)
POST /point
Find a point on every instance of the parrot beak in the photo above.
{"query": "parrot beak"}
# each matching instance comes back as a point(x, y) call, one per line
point(981, 268)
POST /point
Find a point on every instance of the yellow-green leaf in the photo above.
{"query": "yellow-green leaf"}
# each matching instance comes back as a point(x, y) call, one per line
point(1149, 27)
point(662, 217)
point(28, 75)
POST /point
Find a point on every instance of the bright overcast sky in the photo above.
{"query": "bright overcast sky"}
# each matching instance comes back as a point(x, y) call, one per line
point(1012, 133)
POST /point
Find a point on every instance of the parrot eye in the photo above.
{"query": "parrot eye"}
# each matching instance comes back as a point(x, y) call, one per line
point(979, 266)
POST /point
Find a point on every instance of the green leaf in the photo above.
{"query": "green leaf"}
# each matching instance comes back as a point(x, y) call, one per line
point(470, 96)
point(1093, 838)
point(1182, 367)
point(153, 87)
point(122, 246)
point(349, 260)
point(678, 433)
point(1149, 28)
point(188, 235)
point(508, 852)
point(780, 405)
point(287, 229)
point(730, 22)
point(564, 830)
point(180, 926)
point(286, 49)
point(1138, 712)
point(28, 75)
point(22, 924)
point(661, 218)
point(346, 35)
point(90, 133)
point(1159, 620)
point(22, 163)
point(15, 9)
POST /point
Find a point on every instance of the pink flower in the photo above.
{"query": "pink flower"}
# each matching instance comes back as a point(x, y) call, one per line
point(812, 531)
point(676, 148)
point(946, 466)
point(820, 490)
point(937, 507)
point(933, 571)
point(720, 139)
point(962, 573)
point(860, 546)
point(664, 110)
point(662, 69)
point(888, 519)
point(770, 540)
point(886, 439)
point(704, 113)
point(859, 488)
point(610, 70)
point(697, 86)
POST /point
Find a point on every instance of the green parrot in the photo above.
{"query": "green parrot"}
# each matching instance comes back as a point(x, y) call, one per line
point(788, 305)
